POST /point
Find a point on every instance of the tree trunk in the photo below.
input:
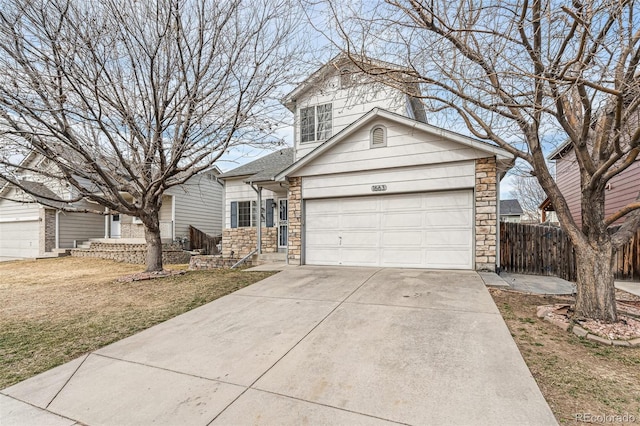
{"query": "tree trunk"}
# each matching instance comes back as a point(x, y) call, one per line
point(154, 242)
point(595, 297)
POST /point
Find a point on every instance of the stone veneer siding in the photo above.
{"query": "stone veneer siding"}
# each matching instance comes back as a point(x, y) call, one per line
point(242, 241)
point(47, 230)
point(486, 213)
point(295, 221)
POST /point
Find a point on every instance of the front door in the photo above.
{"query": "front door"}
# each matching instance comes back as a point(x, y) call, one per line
point(115, 226)
point(283, 220)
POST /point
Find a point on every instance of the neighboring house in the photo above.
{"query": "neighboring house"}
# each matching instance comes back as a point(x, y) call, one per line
point(368, 183)
point(620, 191)
point(510, 211)
point(34, 227)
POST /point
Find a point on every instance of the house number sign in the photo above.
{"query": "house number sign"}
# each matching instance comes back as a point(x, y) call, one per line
point(378, 188)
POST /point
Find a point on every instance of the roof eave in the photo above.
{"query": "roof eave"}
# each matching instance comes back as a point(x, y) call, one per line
point(504, 157)
point(560, 150)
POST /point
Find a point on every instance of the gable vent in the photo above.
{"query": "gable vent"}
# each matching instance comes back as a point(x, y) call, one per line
point(378, 137)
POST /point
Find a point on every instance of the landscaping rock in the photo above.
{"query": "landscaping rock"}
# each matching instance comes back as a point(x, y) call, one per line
point(621, 343)
point(599, 339)
point(579, 331)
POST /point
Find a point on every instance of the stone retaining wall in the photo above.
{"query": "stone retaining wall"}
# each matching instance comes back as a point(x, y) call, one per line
point(215, 261)
point(132, 253)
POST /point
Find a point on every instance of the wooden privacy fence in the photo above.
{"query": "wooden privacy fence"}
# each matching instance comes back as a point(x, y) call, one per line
point(546, 250)
point(202, 241)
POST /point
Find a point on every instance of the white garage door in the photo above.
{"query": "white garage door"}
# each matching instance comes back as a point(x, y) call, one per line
point(427, 230)
point(19, 239)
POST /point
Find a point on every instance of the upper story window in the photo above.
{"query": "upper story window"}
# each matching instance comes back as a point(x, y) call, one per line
point(315, 123)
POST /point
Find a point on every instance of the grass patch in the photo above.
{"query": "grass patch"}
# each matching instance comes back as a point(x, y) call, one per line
point(575, 375)
point(55, 310)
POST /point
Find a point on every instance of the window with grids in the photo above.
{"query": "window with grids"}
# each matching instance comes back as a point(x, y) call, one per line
point(315, 123)
point(244, 213)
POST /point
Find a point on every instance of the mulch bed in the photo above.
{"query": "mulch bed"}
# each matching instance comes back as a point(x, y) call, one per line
point(627, 328)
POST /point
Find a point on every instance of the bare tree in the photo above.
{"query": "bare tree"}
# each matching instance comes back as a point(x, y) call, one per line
point(127, 99)
point(521, 73)
point(529, 194)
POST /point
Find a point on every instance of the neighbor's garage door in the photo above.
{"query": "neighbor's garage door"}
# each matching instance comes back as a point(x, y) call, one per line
point(426, 230)
point(19, 239)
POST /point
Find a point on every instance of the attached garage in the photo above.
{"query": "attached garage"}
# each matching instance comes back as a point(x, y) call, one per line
point(417, 230)
point(389, 191)
point(19, 238)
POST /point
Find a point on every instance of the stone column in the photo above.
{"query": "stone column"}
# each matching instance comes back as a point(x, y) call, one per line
point(295, 221)
point(486, 219)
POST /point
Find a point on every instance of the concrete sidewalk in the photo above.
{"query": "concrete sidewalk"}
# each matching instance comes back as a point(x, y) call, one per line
point(543, 284)
point(310, 345)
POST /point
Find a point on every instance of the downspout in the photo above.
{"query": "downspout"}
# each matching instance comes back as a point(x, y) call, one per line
point(497, 267)
point(259, 224)
point(58, 229)
point(173, 218)
point(106, 222)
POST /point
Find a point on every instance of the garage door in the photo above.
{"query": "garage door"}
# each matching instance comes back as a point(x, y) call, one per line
point(426, 230)
point(19, 239)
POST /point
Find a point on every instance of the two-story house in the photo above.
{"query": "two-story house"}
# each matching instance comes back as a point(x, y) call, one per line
point(368, 182)
point(49, 223)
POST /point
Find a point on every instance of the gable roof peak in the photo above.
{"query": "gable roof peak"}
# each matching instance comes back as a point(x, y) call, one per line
point(337, 64)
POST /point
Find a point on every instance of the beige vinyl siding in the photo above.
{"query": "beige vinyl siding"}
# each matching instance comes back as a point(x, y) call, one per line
point(198, 203)
point(237, 190)
point(79, 227)
point(435, 177)
point(347, 106)
point(404, 148)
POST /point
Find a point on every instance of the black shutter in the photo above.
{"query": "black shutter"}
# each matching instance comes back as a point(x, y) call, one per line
point(234, 214)
point(269, 212)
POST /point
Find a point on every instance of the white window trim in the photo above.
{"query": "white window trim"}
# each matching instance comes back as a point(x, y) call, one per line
point(252, 219)
point(315, 122)
point(384, 136)
point(136, 220)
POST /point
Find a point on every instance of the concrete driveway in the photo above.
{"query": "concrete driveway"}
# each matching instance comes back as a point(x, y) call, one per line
point(310, 345)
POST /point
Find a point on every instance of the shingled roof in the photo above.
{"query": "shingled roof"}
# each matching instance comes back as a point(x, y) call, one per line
point(264, 168)
point(43, 195)
point(510, 208)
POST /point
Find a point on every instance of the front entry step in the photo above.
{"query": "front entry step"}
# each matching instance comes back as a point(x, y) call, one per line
point(268, 258)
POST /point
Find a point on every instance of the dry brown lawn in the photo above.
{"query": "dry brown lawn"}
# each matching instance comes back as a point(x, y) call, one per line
point(54, 310)
point(575, 375)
